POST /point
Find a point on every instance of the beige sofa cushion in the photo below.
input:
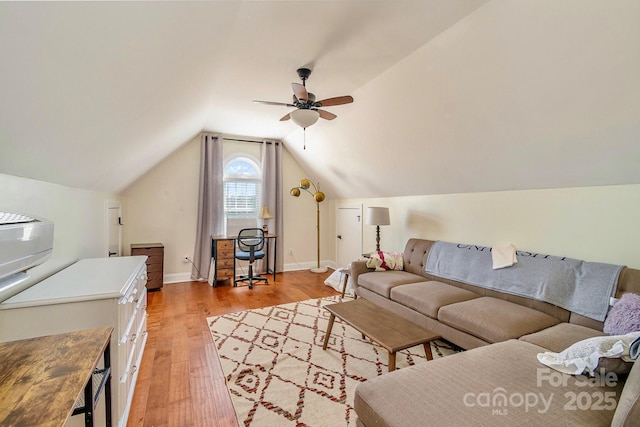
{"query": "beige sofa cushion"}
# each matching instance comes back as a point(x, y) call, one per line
point(381, 282)
point(561, 336)
point(447, 392)
point(428, 297)
point(494, 320)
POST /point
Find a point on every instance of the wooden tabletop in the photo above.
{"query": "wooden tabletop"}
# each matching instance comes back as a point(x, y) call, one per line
point(42, 378)
point(235, 236)
point(391, 331)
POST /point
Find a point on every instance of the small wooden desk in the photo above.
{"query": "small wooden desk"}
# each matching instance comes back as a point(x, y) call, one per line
point(42, 378)
point(223, 250)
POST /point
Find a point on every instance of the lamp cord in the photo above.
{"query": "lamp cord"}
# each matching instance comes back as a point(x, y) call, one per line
point(296, 261)
point(194, 266)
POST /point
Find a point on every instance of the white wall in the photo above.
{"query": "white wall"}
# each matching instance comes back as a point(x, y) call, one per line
point(79, 216)
point(162, 206)
point(517, 95)
point(591, 223)
point(300, 215)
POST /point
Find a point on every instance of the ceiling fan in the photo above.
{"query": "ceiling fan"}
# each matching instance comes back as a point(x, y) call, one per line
point(307, 108)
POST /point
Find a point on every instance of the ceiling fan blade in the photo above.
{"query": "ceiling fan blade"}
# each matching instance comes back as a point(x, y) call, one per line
point(285, 117)
point(326, 115)
point(300, 91)
point(284, 104)
point(338, 100)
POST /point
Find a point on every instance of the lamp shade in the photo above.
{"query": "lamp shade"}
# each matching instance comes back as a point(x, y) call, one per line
point(377, 216)
point(305, 117)
point(265, 213)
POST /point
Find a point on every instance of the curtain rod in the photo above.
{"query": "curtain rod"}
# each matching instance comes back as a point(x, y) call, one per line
point(248, 140)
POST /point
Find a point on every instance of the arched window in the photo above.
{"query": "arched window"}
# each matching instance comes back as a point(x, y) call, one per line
point(242, 188)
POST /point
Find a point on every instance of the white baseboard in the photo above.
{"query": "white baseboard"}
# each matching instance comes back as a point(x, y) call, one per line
point(176, 278)
point(309, 265)
point(186, 277)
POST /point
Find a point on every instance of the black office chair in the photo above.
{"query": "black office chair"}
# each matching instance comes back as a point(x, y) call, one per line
point(250, 244)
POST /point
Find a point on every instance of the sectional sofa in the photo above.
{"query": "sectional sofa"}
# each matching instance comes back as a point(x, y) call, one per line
point(498, 380)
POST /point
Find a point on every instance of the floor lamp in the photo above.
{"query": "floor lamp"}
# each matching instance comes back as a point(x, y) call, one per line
point(318, 196)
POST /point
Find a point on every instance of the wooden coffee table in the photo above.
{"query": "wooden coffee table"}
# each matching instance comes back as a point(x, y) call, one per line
point(389, 330)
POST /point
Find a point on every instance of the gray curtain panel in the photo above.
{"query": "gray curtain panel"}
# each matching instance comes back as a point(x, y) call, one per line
point(210, 204)
point(272, 196)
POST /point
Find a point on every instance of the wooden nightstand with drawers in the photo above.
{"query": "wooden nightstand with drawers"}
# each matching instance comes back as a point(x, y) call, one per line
point(155, 262)
point(223, 252)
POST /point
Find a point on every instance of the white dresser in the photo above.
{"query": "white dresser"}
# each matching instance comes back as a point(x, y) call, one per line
point(91, 293)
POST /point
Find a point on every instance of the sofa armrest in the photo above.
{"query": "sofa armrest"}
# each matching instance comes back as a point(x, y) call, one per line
point(357, 268)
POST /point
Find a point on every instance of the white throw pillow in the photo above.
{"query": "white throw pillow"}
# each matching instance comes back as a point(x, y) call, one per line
point(585, 356)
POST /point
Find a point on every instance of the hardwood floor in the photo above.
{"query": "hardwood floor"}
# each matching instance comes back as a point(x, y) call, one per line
point(181, 381)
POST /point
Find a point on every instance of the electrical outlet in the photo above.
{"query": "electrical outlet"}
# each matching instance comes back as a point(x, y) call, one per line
point(186, 259)
point(290, 251)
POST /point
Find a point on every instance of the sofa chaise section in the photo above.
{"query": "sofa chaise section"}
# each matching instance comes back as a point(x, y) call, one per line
point(497, 385)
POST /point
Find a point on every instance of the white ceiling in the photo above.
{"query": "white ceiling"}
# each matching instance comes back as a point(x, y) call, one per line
point(450, 96)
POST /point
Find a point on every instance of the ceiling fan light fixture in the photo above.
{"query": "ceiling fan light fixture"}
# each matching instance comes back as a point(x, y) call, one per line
point(304, 117)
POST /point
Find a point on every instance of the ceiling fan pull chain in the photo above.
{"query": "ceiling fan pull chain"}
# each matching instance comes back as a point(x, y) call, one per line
point(304, 138)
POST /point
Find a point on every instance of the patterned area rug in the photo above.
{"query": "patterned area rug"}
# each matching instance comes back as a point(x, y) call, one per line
point(278, 374)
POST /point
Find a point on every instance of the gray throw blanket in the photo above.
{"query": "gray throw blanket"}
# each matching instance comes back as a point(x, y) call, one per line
point(579, 286)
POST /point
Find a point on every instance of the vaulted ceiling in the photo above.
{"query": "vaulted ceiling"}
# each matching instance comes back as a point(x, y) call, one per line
point(450, 96)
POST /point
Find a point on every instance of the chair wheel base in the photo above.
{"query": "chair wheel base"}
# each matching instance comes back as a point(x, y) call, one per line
point(255, 280)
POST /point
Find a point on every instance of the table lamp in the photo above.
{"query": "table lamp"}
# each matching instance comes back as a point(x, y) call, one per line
point(265, 214)
point(377, 216)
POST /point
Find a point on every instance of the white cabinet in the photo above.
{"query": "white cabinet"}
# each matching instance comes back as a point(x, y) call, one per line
point(91, 293)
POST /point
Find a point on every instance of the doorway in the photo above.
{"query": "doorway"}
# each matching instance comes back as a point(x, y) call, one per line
point(348, 234)
point(114, 229)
